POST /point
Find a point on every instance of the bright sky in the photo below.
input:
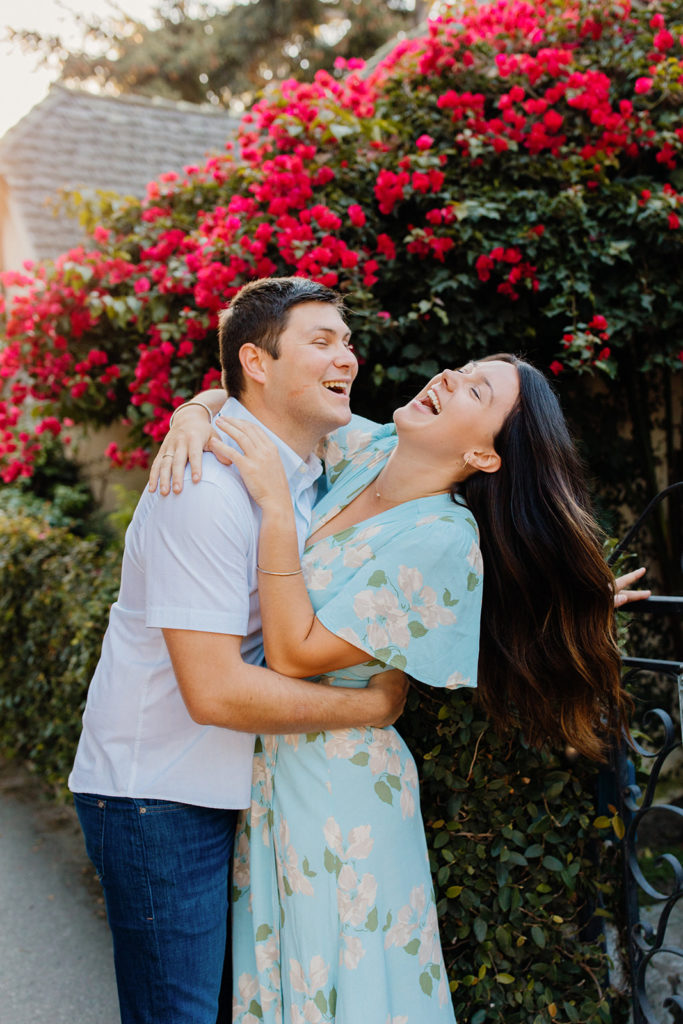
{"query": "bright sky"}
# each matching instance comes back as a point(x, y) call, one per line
point(22, 85)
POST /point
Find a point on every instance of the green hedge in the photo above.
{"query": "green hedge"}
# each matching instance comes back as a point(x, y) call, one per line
point(54, 603)
point(511, 831)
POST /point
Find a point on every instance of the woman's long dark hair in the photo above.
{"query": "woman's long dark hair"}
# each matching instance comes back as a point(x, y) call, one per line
point(548, 650)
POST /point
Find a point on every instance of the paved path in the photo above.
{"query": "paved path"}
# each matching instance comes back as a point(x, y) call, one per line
point(55, 951)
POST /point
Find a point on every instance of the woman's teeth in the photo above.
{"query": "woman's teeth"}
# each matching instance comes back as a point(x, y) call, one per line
point(433, 398)
point(338, 386)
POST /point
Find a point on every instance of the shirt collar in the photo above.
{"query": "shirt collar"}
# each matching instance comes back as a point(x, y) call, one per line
point(297, 470)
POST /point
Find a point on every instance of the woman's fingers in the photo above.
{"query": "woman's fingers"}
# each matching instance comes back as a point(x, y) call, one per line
point(250, 437)
point(168, 465)
point(221, 450)
point(622, 595)
point(257, 459)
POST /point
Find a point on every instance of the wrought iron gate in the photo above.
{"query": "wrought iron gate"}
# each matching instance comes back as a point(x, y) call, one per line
point(647, 940)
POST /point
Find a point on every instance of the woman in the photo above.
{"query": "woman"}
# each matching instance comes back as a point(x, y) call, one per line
point(334, 913)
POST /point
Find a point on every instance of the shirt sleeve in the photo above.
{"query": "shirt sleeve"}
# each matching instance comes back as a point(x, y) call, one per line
point(417, 604)
point(198, 547)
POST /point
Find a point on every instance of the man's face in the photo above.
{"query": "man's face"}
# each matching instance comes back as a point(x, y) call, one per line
point(308, 386)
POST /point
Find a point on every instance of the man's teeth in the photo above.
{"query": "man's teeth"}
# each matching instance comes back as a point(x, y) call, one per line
point(339, 386)
point(436, 404)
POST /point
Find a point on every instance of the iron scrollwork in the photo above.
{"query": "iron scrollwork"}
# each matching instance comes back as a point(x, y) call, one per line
point(647, 940)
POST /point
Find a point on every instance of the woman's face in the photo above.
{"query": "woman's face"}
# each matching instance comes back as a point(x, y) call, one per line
point(461, 411)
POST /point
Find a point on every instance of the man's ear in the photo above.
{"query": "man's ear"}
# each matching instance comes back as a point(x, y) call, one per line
point(252, 359)
point(487, 461)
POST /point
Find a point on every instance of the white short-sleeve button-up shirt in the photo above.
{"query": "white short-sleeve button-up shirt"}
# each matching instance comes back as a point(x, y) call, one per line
point(189, 563)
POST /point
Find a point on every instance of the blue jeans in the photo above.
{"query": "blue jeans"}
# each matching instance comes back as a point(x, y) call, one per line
point(164, 868)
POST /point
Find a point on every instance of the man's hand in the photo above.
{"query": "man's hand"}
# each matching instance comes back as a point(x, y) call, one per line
point(393, 685)
point(622, 595)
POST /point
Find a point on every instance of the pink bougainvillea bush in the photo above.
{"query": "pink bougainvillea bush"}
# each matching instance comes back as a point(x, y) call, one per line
point(510, 178)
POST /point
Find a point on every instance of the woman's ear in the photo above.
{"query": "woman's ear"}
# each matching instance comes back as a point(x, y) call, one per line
point(252, 357)
point(484, 461)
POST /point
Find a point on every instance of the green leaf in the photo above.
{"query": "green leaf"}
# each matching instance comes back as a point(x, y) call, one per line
point(552, 864)
point(361, 758)
point(262, 932)
point(449, 600)
point(306, 868)
point(255, 1009)
point(378, 578)
point(538, 935)
point(416, 629)
point(504, 979)
point(394, 781)
point(341, 131)
point(320, 1001)
point(372, 920)
point(480, 929)
point(472, 581)
point(383, 792)
point(426, 983)
point(412, 947)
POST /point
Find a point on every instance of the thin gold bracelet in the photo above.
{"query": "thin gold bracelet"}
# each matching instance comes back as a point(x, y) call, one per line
point(185, 405)
point(269, 572)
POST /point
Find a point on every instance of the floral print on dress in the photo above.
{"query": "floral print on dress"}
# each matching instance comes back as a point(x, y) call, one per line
point(334, 913)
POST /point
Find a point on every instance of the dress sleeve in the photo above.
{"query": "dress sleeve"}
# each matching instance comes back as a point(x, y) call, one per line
point(416, 605)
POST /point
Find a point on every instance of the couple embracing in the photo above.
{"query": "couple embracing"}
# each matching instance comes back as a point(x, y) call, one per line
point(352, 574)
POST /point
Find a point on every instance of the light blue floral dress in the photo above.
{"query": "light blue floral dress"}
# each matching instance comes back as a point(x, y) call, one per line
point(334, 913)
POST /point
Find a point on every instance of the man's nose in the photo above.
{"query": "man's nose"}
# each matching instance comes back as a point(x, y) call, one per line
point(345, 356)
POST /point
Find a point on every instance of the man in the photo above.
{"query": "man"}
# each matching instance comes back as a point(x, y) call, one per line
point(164, 760)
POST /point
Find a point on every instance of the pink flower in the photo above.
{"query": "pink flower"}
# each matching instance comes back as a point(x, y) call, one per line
point(674, 221)
point(598, 322)
point(51, 424)
point(142, 285)
point(643, 85)
point(356, 215)
point(663, 40)
point(424, 142)
point(556, 367)
point(483, 266)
